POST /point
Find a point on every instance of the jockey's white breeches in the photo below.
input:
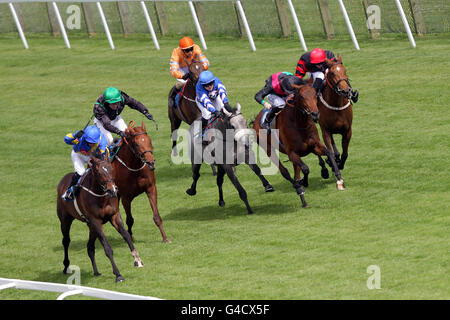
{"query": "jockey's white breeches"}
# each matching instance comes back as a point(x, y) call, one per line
point(118, 122)
point(206, 114)
point(79, 161)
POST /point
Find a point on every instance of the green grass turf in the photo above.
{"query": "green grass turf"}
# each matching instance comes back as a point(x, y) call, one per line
point(393, 214)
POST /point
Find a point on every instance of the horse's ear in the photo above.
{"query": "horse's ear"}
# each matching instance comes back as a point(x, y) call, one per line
point(143, 125)
point(339, 58)
point(296, 86)
point(328, 62)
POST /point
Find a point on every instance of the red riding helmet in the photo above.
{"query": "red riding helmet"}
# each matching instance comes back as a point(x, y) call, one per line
point(186, 42)
point(317, 56)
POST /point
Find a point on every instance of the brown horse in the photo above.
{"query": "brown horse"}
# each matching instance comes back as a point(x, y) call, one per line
point(95, 204)
point(297, 137)
point(134, 166)
point(336, 113)
point(187, 110)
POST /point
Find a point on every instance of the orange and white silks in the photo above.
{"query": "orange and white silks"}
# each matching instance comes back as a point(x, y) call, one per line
point(179, 62)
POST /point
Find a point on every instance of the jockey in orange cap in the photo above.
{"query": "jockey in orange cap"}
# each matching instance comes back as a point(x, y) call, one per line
point(179, 64)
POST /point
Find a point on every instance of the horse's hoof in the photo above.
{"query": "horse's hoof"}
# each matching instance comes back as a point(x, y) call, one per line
point(166, 241)
point(250, 211)
point(340, 185)
point(139, 264)
point(191, 192)
point(221, 203)
point(120, 279)
point(97, 274)
point(341, 166)
point(269, 188)
point(325, 173)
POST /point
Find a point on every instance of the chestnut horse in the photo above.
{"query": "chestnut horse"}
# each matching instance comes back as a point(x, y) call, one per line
point(96, 203)
point(336, 113)
point(297, 137)
point(134, 166)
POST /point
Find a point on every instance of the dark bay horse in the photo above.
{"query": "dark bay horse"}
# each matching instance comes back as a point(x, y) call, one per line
point(336, 113)
point(297, 137)
point(220, 145)
point(187, 110)
point(95, 204)
point(134, 166)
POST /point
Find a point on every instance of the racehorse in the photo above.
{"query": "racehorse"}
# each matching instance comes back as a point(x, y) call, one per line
point(297, 137)
point(96, 203)
point(134, 166)
point(222, 152)
point(187, 109)
point(243, 144)
point(336, 113)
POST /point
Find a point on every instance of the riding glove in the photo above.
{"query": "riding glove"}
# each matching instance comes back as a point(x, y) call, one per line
point(79, 134)
point(185, 76)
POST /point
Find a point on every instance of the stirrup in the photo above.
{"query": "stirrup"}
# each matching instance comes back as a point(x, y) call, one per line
point(68, 195)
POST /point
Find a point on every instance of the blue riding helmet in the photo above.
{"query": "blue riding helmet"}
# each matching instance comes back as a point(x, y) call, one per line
point(92, 134)
point(206, 77)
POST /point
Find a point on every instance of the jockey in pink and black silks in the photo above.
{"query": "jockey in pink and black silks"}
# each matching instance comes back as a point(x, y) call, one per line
point(274, 94)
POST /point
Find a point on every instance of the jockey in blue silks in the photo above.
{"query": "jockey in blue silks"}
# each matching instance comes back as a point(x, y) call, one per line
point(84, 144)
point(211, 96)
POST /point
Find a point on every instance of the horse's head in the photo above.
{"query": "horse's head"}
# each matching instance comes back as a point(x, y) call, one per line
point(336, 78)
point(305, 100)
point(103, 173)
point(239, 123)
point(140, 143)
point(195, 68)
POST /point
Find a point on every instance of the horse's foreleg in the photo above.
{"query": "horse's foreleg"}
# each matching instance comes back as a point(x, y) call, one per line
point(299, 165)
point(327, 139)
point(117, 223)
point(324, 172)
point(152, 196)
point(321, 150)
point(195, 175)
point(257, 170)
point(129, 220)
point(220, 175)
point(345, 142)
point(66, 223)
point(97, 227)
point(91, 250)
point(242, 193)
point(337, 155)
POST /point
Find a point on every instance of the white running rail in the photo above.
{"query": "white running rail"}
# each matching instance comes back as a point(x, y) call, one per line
point(69, 290)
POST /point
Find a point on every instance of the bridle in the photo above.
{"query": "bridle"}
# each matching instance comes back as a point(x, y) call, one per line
point(335, 87)
point(304, 111)
point(140, 156)
point(103, 184)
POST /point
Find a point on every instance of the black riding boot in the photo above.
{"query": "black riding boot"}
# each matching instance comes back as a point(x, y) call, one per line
point(72, 190)
point(318, 85)
point(355, 95)
point(269, 117)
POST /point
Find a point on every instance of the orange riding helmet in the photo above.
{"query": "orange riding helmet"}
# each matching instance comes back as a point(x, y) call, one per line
point(186, 42)
point(317, 56)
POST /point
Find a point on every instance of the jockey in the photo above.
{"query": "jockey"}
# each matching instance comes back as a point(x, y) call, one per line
point(315, 65)
point(211, 96)
point(275, 93)
point(179, 64)
point(107, 111)
point(84, 144)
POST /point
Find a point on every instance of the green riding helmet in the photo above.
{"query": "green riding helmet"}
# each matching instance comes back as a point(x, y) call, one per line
point(112, 95)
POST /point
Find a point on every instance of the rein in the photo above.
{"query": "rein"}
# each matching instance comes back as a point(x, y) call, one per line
point(336, 89)
point(135, 153)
